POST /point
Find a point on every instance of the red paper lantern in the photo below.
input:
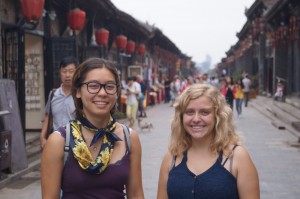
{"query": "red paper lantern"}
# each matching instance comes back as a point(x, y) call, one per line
point(32, 10)
point(130, 47)
point(121, 42)
point(102, 36)
point(141, 49)
point(76, 19)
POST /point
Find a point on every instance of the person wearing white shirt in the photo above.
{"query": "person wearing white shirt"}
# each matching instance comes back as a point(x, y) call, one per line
point(247, 85)
point(132, 92)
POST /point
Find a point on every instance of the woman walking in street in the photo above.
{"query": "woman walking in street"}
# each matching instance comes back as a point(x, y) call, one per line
point(205, 158)
point(239, 95)
point(104, 159)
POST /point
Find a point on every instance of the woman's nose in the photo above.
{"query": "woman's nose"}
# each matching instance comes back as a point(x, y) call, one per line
point(102, 91)
point(197, 117)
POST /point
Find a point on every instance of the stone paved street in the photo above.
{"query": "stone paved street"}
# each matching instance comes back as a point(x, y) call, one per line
point(276, 154)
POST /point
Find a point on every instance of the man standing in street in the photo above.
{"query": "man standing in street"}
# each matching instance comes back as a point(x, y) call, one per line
point(60, 105)
point(132, 92)
point(247, 85)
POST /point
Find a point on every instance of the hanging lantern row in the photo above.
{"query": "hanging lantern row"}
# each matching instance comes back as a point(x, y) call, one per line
point(102, 36)
point(122, 44)
point(238, 53)
point(281, 33)
point(272, 38)
point(293, 28)
point(32, 10)
point(284, 33)
point(76, 19)
point(230, 59)
point(278, 36)
point(258, 26)
point(244, 45)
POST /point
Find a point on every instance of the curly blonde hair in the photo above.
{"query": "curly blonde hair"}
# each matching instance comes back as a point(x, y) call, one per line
point(224, 131)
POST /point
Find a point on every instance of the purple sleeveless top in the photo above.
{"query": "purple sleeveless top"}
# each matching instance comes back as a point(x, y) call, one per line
point(80, 184)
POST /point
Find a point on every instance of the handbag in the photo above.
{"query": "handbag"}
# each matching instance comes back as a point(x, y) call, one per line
point(50, 116)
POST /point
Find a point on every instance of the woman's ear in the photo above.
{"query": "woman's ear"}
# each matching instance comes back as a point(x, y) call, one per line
point(78, 93)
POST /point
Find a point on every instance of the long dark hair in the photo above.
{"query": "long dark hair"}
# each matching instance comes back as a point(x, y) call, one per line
point(80, 75)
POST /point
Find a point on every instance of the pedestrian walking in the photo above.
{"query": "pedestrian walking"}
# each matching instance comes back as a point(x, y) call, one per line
point(247, 85)
point(133, 93)
point(227, 91)
point(175, 89)
point(214, 82)
point(141, 107)
point(186, 84)
point(60, 105)
point(238, 92)
point(103, 161)
point(205, 157)
point(229, 95)
point(167, 87)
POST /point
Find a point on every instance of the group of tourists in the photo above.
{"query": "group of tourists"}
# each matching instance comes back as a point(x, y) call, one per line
point(93, 155)
point(235, 92)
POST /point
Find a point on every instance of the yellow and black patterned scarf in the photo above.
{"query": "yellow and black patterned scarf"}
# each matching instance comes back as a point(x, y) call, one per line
point(81, 151)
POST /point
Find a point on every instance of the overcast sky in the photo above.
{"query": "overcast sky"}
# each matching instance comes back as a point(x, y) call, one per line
point(197, 27)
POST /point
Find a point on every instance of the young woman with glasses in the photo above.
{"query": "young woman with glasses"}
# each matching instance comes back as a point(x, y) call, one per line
point(103, 161)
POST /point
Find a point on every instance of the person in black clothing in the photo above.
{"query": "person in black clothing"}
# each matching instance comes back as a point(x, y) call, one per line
point(229, 95)
point(227, 91)
point(141, 107)
point(167, 85)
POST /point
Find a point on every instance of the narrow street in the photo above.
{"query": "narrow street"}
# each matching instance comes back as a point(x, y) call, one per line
point(274, 152)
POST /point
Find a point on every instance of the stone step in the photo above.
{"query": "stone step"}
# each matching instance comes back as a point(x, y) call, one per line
point(280, 114)
point(285, 114)
point(289, 109)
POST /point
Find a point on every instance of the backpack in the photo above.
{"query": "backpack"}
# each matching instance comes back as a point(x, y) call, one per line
point(50, 115)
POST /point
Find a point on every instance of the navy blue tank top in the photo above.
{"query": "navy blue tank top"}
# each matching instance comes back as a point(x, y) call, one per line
point(215, 183)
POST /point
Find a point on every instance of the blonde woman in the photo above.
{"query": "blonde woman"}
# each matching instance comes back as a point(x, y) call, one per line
point(205, 158)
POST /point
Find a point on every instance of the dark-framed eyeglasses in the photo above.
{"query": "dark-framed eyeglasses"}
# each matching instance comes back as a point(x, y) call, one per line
point(95, 87)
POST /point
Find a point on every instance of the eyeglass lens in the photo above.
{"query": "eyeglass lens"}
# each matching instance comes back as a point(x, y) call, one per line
point(95, 87)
